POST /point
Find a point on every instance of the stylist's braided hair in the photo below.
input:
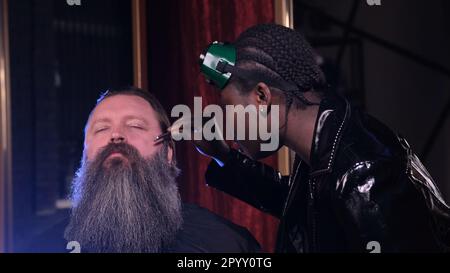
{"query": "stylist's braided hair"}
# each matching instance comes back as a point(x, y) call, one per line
point(272, 52)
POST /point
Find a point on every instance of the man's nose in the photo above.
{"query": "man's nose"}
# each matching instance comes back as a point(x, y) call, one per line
point(117, 137)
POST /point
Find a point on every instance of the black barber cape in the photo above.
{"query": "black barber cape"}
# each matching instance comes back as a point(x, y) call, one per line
point(202, 232)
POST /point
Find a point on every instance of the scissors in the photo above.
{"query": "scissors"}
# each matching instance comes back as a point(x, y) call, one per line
point(163, 137)
point(175, 128)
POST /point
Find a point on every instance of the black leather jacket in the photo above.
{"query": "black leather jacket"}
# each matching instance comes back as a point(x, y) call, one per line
point(365, 190)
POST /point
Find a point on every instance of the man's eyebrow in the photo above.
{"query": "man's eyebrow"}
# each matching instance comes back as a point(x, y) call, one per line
point(90, 124)
point(128, 117)
point(101, 120)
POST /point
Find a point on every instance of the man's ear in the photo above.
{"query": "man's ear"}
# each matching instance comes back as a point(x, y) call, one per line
point(170, 154)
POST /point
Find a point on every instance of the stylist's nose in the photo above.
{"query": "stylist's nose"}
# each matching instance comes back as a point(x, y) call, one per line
point(117, 137)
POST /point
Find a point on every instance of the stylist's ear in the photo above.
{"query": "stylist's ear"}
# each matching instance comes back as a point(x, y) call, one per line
point(264, 96)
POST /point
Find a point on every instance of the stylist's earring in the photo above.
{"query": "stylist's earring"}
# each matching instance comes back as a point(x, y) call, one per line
point(263, 112)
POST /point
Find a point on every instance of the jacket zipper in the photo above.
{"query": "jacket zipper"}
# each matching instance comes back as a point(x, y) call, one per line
point(311, 213)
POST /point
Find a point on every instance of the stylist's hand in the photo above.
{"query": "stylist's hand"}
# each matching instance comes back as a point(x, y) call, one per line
point(216, 148)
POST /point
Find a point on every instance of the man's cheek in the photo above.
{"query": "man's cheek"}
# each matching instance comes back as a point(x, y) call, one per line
point(91, 155)
point(146, 151)
point(91, 152)
point(87, 151)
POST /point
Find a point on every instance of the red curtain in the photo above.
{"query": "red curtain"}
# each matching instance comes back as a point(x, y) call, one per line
point(178, 31)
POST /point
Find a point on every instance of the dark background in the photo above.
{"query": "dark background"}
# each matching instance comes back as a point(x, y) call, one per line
point(393, 60)
point(62, 57)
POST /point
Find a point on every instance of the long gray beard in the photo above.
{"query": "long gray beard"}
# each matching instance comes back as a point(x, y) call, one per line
point(132, 207)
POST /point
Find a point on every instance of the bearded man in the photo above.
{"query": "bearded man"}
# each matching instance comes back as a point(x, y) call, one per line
point(125, 196)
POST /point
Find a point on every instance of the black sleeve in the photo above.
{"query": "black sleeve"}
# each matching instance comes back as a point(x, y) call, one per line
point(378, 204)
point(250, 181)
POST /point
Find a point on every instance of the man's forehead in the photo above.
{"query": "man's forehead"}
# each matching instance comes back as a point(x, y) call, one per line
point(123, 106)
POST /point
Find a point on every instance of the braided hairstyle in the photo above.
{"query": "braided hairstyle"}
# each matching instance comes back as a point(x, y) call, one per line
point(274, 53)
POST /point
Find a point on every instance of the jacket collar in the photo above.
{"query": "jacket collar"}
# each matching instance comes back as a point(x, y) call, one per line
point(332, 118)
